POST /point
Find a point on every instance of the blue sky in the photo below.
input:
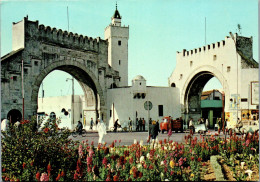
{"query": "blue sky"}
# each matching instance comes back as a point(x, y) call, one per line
point(157, 30)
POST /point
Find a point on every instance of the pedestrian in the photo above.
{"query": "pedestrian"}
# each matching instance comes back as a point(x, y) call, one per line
point(191, 126)
point(116, 125)
point(181, 120)
point(137, 124)
point(154, 130)
point(130, 123)
point(239, 124)
point(5, 125)
point(17, 125)
point(140, 124)
point(143, 124)
point(101, 128)
point(219, 123)
point(91, 123)
point(207, 124)
point(79, 127)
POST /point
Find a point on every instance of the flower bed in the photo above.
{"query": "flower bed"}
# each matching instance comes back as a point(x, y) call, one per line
point(50, 155)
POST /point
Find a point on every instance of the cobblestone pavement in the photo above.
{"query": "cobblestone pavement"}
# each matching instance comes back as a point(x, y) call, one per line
point(127, 138)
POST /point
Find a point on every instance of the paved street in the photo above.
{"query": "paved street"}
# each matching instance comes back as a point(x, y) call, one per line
point(128, 138)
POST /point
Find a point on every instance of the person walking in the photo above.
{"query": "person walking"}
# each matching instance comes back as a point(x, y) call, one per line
point(91, 124)
point(143, 124)
point(130, 123)
point(154, 130)
point(101, 128)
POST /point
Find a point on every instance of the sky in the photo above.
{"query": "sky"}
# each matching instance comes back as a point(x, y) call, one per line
point(157, 30)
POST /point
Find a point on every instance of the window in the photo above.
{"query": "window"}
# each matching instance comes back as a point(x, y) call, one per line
point(228, 69)
point(160, 109)
point(110, 113)
point(119, 42)
point(35, 63)
point(140, 83)
point(25, 71)
point(15, 78)
point(119, 62)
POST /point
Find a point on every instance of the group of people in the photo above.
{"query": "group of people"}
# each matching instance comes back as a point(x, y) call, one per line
point(140, 124)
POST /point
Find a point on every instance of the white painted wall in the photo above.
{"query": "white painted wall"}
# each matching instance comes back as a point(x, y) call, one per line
point(215, 60)
point(126, 106)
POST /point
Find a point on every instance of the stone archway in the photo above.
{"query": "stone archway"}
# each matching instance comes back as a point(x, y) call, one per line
point(14, 115)
point(81, 73)
point(192, 89)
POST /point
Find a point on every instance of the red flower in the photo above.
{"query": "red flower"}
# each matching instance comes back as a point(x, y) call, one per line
point(58, 177)
point(46, 130)
point(75, 176)
point(62, 174)
point(49, 169)
point(37, 176)
point(199, 159)
point(119, 141)
point(24, 165)
point(104, 161)
point(115, 178)
point(131, 160)
point(165, 141)
point(141, 174)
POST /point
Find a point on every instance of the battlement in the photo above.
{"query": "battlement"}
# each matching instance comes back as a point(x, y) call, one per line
point(203, 49)
point(59, 36)
point(69, 38)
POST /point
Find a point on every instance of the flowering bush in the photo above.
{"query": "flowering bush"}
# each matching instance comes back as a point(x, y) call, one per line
point(29, 155)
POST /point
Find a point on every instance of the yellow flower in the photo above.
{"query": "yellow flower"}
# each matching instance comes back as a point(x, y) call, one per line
point(131, 172)
point(179, 173)
point(172, 164)
point(192, 175)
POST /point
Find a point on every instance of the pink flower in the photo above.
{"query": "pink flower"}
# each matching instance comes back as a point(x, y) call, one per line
point(91, 153)
point(80, 150)
point(170, 133)
point(44, 177)
point(104, 161)
point(180, 161)
point(89, 160)
point(247, 142)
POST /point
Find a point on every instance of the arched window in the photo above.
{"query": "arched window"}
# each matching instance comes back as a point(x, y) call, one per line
point(173, 85)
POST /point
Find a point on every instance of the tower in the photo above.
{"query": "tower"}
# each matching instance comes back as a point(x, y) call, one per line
point(117, 37)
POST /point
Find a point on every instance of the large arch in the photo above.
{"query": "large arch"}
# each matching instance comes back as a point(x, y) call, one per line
point(81, 73)
point(192, 89)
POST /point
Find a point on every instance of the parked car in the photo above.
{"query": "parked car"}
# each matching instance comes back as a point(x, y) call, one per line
point(168, 123)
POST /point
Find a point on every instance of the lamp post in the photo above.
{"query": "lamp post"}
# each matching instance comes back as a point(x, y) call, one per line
point(72, 111)
point(234, 39)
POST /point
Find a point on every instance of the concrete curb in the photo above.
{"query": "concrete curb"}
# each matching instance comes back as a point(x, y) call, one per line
point(217, 168)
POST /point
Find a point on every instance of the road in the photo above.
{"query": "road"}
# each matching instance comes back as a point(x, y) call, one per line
point(128, 138)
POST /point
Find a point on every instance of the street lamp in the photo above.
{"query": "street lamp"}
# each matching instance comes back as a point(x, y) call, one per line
point(234, 39)
point(72, 111)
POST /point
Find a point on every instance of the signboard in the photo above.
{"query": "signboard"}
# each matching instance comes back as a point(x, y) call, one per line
point(148, 105)
point(234, 101)
point(254, 93)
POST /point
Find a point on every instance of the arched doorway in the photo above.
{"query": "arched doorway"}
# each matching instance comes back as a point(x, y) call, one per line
point(194, 107)
point(14, 115)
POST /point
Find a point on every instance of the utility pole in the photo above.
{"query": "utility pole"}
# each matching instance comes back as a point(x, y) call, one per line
point(22, 90)
point(72, 98)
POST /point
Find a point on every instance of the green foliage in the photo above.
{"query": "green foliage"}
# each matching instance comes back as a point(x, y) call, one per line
point(25, 145)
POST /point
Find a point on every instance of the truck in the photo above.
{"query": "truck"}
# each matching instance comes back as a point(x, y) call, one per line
point(168, 123)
